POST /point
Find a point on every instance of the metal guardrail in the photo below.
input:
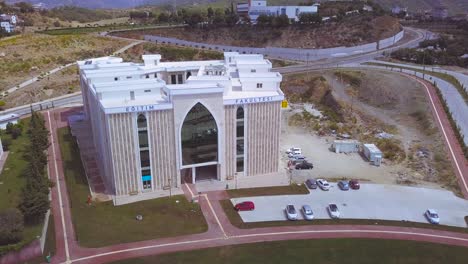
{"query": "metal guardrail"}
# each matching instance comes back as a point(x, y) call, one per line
point(69, 99)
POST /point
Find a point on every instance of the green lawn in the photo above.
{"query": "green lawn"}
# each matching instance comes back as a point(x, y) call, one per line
point(12, 175)
point(104, 224)
point(262, 191)
point(12, 182)
point(236, 220)
point(323, 251)
point(49, 246)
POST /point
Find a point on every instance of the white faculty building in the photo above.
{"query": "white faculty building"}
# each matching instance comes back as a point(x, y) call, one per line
point(157, 125)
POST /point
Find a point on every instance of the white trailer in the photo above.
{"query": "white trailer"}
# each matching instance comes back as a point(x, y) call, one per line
point(345, 146)
point(373, 154)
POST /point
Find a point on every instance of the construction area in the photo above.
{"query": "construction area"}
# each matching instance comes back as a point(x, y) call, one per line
point(370, 125)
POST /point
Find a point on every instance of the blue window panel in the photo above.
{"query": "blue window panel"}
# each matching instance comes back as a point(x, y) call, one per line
point(146, 177)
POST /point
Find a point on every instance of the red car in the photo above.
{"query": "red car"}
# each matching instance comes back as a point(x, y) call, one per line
point(354, 184)
point(245, 206)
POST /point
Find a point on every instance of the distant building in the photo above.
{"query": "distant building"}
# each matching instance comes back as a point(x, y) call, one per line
point(439, 12)
point(257, 8)
point(8, 22)
point(39, 6)
point(397, 10)
point(242, 9)
point(367, 8)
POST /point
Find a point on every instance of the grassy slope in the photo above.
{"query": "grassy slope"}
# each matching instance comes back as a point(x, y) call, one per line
point(13, 181)
point(318, 251)
point(103, 224)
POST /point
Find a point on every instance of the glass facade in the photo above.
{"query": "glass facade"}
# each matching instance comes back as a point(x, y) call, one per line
point(145, 160)
point(240, 121)
point(199, 136)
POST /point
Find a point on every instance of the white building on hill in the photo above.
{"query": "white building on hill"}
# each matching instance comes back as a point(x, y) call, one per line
point(259, 7)
point(8, 22)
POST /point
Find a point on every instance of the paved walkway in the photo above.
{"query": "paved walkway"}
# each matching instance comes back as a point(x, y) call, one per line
point(459, 162)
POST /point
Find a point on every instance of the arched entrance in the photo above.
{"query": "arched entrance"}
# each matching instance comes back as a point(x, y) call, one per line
point(199, 141)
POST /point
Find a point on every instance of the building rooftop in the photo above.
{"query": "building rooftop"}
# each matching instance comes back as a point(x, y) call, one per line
point(120, 84)
point(372, 148)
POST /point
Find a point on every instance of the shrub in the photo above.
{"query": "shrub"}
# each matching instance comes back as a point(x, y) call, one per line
point(6, 144)
point(11, 226)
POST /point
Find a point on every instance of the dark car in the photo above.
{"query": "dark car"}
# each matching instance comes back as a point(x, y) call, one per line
point(354, 184)
point(344, 186)
point(311, 183)
point(245, 206)
point(304, 166)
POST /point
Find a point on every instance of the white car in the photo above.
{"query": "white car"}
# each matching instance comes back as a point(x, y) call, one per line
point(333, 211)
point(432, 216)
point(323, 184)
point(307, 212)
point(291, 212)
point(295, 151)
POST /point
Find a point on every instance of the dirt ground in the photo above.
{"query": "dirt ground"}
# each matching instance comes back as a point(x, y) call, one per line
point(60, 83)
point(384, 102)
point(28, 55)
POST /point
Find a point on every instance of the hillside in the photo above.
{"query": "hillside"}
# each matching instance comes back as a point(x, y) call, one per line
point(454, 6)
point(349, 32)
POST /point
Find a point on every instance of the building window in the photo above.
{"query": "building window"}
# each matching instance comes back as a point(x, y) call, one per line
point(253, 70)
point(180, 78)
point(259, 85)
point(129, 77)
point(147, 76)
point(173, 79)
point(147, 91)
point(188, 75)
point(145, 157)
point(132, 95)
point(240, 121)
point(199, 136)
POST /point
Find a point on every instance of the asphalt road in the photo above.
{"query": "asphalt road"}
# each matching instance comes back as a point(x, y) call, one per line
point(372, 201)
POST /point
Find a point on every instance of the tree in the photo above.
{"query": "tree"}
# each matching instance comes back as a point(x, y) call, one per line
point(34, 197)
point(209, 12)
point(34, 204)
point(280, 21)
point(219, 17)
point(163, 18)
point(25, 7)
point(11, 226)
point(264, 20)
point(309, 18)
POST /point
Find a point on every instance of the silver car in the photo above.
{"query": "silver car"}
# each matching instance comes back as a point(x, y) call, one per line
point(307, 212)
point(291, 212)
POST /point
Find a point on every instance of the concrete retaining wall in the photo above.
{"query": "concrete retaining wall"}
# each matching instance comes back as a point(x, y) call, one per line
point(285, 53)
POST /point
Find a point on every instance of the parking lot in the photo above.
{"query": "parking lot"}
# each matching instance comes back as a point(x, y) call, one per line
point(372, 201)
